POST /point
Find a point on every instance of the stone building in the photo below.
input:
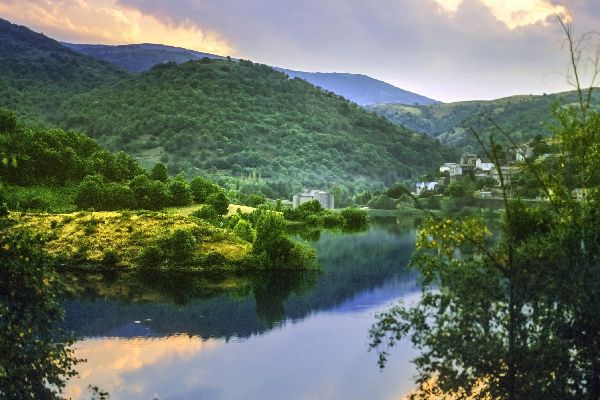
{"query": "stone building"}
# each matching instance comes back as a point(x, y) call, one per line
point(323, 197)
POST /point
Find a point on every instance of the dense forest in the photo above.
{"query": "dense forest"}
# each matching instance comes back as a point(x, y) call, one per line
point(360, 89)
point(523, 117)
point(37, 74)
point(240, 118)
point(244, 124)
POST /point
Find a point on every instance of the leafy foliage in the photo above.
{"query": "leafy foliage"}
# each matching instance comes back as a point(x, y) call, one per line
point(240, 118)
point(273, 249)
point(524, 117)
point(37, 74)
point(35, 358)
point(512, 318)
point(53, 156)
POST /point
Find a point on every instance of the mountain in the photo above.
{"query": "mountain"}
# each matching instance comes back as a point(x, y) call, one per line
point(523, 117)
point(139, 57)
point(249, 126)
point(239, 118)
point(37, 73)
point(361, 89)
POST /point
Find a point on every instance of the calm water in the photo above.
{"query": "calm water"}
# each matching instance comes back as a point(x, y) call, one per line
point(304, 337)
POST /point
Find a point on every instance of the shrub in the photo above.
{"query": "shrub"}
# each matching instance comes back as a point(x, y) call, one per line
point(256, 199)
point(382, 202)
point(149, 194)
point(179, 246)
point(244, 230)
point(201, 188)
point(207, 213)
point(159, 172)
point(219, 202)
point(310, 207)
point(90, 193)
point(354, 218)
point(110, 259)
point(181, 194)
point(8, 121)
point(117, 197)
point(152, 257)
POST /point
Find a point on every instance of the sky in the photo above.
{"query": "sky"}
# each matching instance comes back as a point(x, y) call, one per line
point(449, 50)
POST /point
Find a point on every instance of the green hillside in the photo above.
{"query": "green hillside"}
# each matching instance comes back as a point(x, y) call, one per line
point(524, 117)
point(239, 119)
point(38, 73)
point(360, 89)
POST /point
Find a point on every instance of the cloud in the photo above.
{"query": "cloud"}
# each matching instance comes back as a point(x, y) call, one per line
point(104, 21)
point(445, 49)
point(513, 13)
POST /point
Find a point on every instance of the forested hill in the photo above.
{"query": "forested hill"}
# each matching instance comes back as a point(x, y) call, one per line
point(360, 89)
point(239, 119)
point(139, 57)
point(37, 73)
point(523, 117)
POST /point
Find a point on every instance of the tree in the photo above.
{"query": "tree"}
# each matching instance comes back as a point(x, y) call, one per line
point(181, 194)
point(202, 188)
point(219, 202)
point(159, 172)
point(35, 357)
point(8, 121)
point(149, 194)
point(354, 218)
point(515, 318)
point(90, 193)
point(244, 230)
point(270, 241)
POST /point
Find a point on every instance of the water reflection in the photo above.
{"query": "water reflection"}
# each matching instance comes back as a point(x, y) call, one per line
point(250, 336)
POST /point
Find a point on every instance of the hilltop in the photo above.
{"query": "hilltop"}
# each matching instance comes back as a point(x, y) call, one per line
point(361, 89)
point(524, 117)
point(245, 124)
point(240, 118)
point(139, 57)
point(37, 73)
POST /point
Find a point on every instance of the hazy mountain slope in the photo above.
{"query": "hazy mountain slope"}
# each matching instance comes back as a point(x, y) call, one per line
point(37, 73)
point(524, 117)
point(139, 57)
point(238, 118)
point(360, 89)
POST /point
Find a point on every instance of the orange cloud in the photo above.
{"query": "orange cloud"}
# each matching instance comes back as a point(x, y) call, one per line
point(104, 21)
point(108, 359)
point(513, 13)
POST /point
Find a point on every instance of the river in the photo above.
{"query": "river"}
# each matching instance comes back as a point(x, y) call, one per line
point(272, 337)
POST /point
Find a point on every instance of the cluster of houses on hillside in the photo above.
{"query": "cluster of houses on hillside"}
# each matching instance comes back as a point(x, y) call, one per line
point(477, 168)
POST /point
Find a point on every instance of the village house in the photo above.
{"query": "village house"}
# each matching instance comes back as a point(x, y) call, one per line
point(453, 169)
point(306, 195)
point(523, 152)
point(508, 173)
point(484, 164)
point(467, 162)
point(422, 187)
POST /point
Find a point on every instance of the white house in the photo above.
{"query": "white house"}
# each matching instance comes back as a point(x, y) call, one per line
point(452, 168)
point(306, 195)
point(523, 152)
point(425, 187)
point(484, 166)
